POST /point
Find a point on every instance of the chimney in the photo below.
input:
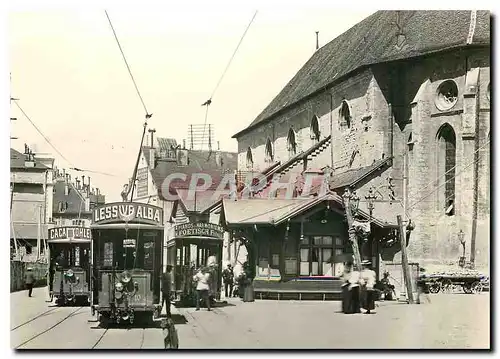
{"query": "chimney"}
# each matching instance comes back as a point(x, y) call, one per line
point(317, 40)
point(88, 187)
point(184, 144)
point(218, 145)
point(152, 131)
point(77, 183)
point(83, 181)
point(66, 188)
point(182, 157)
point(97, 191)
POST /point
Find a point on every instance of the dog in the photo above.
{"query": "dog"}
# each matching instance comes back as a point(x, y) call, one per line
point(170, 338)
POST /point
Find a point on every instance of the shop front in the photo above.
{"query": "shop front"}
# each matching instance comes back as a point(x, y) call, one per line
point(299, 247)
point(191, 247)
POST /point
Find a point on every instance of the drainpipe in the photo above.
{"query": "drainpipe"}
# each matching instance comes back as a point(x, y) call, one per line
point(476, 186)
point(331, 131)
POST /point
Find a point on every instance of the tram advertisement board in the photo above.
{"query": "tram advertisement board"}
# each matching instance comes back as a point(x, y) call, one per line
point(69, 233)
point(128, 212)
point(199, 229)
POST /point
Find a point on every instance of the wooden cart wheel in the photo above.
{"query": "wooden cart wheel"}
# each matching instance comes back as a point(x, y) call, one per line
point(476, 287)
point(467, 288)
point(434, 287)
point(446, 285)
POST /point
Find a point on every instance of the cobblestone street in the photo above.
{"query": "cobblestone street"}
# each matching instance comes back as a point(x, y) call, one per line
point(449, 321)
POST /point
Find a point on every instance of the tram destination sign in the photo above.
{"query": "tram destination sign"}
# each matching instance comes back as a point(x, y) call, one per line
point(69, 233)
point(199, 229)
point(120, 212)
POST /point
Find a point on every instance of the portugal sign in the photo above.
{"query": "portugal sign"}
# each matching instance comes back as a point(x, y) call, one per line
point(128, 212)
point(199, 230)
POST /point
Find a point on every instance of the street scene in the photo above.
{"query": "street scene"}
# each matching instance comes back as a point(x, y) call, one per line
point(266, 324)
point(263, 180)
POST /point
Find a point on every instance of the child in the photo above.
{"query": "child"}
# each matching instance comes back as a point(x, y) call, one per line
point(170, 338)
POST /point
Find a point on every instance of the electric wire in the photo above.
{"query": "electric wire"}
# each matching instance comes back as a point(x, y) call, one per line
point(54, 147)
point(126, 63)
point(433, 191)
point(209, 101)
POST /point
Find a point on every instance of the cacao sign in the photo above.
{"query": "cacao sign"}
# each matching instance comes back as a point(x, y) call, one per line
point(69, 233)
point(128, 212)
point(199, 229)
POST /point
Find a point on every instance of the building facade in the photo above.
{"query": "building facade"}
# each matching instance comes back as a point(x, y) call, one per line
point(74, 200)
point(163, 179)
point(31, 184)
point(403, 110)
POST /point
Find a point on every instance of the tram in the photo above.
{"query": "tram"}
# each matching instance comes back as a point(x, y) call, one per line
point(127, 261)
point(195, 245)
point(69, 265)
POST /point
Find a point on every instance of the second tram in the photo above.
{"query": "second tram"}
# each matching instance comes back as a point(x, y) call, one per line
point(69, 264)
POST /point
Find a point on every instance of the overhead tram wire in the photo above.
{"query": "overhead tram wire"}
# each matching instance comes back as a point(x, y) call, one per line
point(147, 116)
point(54, 147)
point(209, 101)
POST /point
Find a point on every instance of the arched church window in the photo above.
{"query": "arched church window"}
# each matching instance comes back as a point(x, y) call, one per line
point(315, 132)
point(291, 143)
point(446, 168)
point(249, 158)
point(269, 156)
point(345, 115)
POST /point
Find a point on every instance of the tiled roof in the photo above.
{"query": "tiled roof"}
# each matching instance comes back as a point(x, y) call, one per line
point(76, 203)
point(375, 40)
point(17, 161)
point(199, 162)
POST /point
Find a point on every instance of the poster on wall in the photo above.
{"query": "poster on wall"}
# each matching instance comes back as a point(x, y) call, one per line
point(142, 182)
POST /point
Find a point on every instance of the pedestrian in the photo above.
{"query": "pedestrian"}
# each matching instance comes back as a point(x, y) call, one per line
point(346, 298)
point(387, 288)
point(354, 281)
point(368, 278)
point(166, 287)
point(202, 279)
point(422, 289)
point(248, 294)
point(228, 276)
point(30, 281)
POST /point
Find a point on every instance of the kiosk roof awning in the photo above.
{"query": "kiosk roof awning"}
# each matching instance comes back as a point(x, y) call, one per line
point(28, 230)
point(259, 210)
point(277, 211)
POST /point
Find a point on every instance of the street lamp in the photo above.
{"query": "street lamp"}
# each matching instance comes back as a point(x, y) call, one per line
point(370, 198)
point(461, 238)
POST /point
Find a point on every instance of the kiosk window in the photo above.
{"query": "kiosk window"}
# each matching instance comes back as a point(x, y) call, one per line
point(108, 254)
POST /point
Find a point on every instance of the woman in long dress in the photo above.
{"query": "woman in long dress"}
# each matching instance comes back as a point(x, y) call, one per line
point(368, 278)
point(346, 298)
point(354, 280)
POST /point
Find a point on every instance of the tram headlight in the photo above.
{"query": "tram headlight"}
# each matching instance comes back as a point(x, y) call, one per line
point(119, 287)
point(126, 277)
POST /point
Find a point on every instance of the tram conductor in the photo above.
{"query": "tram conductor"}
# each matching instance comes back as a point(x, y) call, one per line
point(166, 286)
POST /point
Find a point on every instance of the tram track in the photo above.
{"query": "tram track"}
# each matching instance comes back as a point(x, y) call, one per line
point(100, 338)
point(34, 318)
point(50, 328)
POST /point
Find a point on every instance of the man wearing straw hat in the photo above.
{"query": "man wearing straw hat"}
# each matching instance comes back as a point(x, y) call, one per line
point(368, 278)
point(30, 280)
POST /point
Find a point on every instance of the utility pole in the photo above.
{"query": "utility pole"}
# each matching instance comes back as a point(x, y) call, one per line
point(209, 138)
point(348, 197)
point(191, 136)
point(404, 259)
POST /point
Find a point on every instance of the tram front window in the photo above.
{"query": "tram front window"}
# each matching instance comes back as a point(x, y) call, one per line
point(69, 256)
point(123, 250)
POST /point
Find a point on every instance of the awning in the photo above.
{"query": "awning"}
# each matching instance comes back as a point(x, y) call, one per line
point(29, 230)
point(258, 210)
point(276, 211)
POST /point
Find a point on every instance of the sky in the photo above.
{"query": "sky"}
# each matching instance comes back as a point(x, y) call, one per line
point(70, 78)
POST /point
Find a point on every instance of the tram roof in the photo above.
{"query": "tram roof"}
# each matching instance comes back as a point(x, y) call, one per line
point(68, 241)
point(124, 225)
